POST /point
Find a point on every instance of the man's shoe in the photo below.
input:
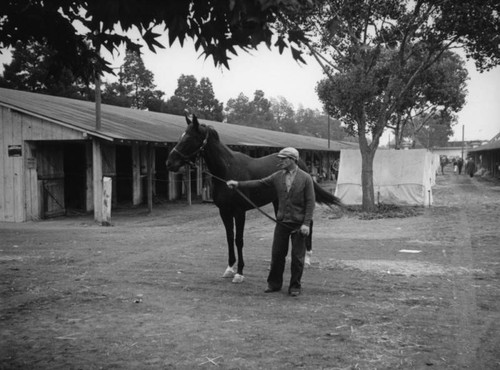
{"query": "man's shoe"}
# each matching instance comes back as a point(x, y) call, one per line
point(294, 292)
point(271, 290)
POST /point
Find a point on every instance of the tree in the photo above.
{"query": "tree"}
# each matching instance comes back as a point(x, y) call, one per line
point(175, 105)
point(32, 69)
point(135, 86)
point(154, 100)
point(187, 91)
point(314, 123)
point(433, 131)
point(239, 111)
point(246, 112)
point(262, 115)
point(208, 106)
point(115, 93)
point(284, 115)
point(77, 30)
point(439, 91)
point(374, 52)
point(136, 79)
point(198, 98)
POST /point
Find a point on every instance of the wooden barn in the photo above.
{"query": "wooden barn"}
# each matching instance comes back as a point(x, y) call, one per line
point(53, 159)
point(487, 156)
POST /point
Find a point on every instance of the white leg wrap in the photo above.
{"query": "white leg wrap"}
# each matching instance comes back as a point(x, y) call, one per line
point(229, 273)
point(307, 260)
point(238, 279)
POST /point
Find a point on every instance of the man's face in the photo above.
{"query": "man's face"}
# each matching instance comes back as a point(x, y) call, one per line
point(286, 163)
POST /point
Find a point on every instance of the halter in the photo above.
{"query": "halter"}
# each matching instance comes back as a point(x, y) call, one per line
point(196, 153)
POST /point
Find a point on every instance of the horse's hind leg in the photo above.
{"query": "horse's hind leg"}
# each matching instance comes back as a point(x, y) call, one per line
point(240, 227)
point(307, 260)
point(227, 219)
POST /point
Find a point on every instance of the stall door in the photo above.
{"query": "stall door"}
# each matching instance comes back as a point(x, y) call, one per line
point(50, 169)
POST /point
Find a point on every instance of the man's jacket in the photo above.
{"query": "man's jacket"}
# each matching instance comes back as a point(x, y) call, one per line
point(296, 205)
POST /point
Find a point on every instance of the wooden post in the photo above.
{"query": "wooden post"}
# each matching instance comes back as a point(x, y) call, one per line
point(150, 177)
point(199, 178)
point(97, 179)
point(89, 185)
point(106, 201)
point(136, 175)
point(188, 184)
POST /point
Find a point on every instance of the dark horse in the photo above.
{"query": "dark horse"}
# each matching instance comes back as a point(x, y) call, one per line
point(226, 164)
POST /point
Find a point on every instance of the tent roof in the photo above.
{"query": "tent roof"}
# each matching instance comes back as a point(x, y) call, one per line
point(119, 123)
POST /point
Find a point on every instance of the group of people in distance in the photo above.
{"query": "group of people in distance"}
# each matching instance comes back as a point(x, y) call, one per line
point(458, 164)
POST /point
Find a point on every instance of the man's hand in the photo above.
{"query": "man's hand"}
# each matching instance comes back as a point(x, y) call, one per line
point(304, 230)
point(232, 184)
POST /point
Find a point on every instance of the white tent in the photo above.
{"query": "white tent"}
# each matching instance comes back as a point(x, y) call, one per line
point(401, 177)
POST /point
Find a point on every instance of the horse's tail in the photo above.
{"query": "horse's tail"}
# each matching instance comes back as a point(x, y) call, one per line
point(325, 197)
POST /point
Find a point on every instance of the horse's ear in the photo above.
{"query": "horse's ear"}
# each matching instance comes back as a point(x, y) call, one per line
point(188, 121)
point(196, 124)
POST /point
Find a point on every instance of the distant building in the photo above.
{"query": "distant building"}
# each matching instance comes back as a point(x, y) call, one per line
point(487, 157)
point(455, 149)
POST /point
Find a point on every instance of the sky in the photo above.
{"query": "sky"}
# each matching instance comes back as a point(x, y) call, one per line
point(281, 76)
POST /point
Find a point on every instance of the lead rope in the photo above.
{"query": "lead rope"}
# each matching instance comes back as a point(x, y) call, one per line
point(252, 203)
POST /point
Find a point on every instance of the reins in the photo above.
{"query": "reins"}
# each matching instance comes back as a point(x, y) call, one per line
point(252, 203)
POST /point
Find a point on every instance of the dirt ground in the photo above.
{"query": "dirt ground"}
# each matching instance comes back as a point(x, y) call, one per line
point(421, 292)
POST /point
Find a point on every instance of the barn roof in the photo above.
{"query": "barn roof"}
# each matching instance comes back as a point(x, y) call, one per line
point(491, 145)
point(119, 123)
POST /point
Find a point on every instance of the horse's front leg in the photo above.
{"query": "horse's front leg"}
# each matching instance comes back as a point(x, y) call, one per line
point(227, 219)
point(240, 227)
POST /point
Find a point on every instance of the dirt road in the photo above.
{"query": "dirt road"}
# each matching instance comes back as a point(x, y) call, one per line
point(401, 293)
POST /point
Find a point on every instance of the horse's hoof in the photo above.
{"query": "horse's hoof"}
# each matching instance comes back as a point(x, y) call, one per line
point(229, 273)
point(238, 279)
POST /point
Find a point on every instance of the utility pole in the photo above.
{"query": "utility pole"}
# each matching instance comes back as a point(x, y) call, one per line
point(97, 153)
point(328, 131)
point(98, 101)
point(463, 142)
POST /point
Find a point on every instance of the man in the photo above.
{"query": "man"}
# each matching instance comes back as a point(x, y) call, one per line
point(460, 164)
point(295, 191)
point(470, 167)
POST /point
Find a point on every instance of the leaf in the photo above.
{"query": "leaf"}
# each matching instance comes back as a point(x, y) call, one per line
point(297, 55)
point(281, 44)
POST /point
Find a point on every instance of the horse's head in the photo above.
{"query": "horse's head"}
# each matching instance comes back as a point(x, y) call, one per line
point(189, 146)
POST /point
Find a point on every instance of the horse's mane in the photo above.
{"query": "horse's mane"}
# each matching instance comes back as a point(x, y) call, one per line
point(211, 131)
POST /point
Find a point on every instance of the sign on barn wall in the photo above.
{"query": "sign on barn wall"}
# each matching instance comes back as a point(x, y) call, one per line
point(15, 150)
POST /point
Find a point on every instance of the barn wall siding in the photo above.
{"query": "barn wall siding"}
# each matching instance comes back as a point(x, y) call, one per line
point(7, 171)
point(19, 188)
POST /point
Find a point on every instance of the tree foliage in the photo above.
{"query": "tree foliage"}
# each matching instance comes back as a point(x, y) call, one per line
point(284, 115)
point(136, 79)
point(433, 132)
point(439, 91)
point(76, 30)
point(32, 69)
point(278, 114)
point(135, 87)
point(194, 97)
point(313, 123)
point(254, 113)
